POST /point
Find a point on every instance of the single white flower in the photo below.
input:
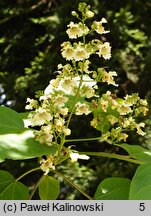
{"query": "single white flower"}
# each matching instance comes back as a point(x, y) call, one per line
point(80, 54)
point(104, 50)
point(59, 123)
point(39, 118)
point(66, 131)
point(143, 102)
point(32, 104)
point(109, 77)
point(67, 51)
point(89, 14)
point(64, 111)
point(139, 130)
point(75, 156)
point(47, 165)
point(82, 109)
point(88, 91)
point(60, 100)
point(124, 109)
point(104, 104)
point(112, 119)
point(67, 85)
point(98, 27)
point(74, 30)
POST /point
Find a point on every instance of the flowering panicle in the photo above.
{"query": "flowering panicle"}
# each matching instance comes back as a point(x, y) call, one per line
point(114, 117)
point(74, 92)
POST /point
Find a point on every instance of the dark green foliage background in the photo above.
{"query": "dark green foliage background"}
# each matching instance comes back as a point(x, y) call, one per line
point(31, 32)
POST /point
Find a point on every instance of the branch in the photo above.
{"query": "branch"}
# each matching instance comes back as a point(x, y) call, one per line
point(115, 156)
point(26, 11)
point(38, 4)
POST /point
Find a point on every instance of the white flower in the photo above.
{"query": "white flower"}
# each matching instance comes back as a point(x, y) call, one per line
point(66, 131)
point(87, 81)
point(88, 91)
point(67, 85)
point(64, 111)
point(47, 128)
point(82, 109)
point(80, 54)
point(54, 83)
point(98, 27)
point(32, 104)
point(126, 122)
point(77, 30)
point(104, 50)
point(112, 119)
point(47, 165)
point(59, 123)
point(43, 137)
point(67, 51)
point(40, 117)
point(117, 134)
point(89, 14)
point(143, 102)
point(104, 104)
point(75, 156)
point(109, 77)
point(124, 109)
point(139, 130)
point(74, 31)
point(60, 101)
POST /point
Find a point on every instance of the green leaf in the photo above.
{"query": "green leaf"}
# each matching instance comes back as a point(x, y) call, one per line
point(137, 152)
point(23, 115)
point(11, 189)
point(140, 188)
point(5, 179)
point(49, 188)
point(113, 189)
point(23, 146)
point(10, 121)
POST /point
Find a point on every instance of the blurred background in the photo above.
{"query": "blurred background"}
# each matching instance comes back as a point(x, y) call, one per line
point(31, 32)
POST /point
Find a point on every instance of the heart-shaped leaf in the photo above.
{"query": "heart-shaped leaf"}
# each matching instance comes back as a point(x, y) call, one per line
point(23, 146)
point(49, 188)
point(113, 189)
point(11, 189)
point(140, 188)
point(10, 121)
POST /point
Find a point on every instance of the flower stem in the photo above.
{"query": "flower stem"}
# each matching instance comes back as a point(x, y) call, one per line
point(76, 99)
point(110, 155)
point(35, 188)
point(26, 173)
point(71, 113)
point(73, 185)
point(82, 140)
